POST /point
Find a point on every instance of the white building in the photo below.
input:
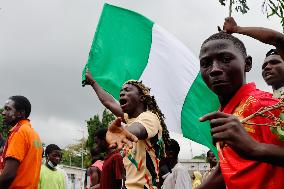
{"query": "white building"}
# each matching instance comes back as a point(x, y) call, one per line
point(76, 176)
point(195, 165)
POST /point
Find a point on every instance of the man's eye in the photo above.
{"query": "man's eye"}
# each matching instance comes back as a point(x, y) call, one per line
point(205, 63)
point(226, 59)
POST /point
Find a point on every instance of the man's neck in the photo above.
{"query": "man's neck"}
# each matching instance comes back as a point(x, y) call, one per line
point(173, 163)
point(49, 167)
point(137, 112)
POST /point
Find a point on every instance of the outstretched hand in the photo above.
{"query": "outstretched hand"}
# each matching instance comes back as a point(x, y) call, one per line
point(228, 129)
point(118, 136)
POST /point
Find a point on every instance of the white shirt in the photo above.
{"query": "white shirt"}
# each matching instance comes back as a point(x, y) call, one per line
point(278, 92)
point(178, 179)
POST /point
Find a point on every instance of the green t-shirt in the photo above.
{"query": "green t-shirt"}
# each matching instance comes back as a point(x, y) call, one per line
point(50, 179)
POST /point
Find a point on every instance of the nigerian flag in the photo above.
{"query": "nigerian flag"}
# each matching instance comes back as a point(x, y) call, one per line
point(127, 46)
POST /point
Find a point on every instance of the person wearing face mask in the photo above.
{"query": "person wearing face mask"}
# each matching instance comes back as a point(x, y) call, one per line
point(51, 177)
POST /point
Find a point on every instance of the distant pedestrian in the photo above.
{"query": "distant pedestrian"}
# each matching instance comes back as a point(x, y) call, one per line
point(196, 179)
point(50, 176)
point(112, 171)
point(178, 177)
point(212, 160)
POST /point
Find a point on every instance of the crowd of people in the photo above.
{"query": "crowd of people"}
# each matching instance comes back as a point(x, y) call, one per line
point(136, 151)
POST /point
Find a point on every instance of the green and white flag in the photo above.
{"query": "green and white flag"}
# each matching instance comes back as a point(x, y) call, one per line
point(127, 46)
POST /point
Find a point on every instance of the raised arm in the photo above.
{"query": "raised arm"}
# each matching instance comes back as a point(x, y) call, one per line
point(264, 35)
point(106, 99)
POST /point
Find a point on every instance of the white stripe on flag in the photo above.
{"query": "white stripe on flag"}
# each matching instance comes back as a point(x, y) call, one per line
point(170, 72)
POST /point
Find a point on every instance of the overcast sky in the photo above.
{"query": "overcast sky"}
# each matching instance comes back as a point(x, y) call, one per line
point(44, 45)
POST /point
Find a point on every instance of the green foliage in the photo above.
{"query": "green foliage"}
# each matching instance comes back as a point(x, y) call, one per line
point(3, 129)
point(274, 8)
point(270, 7)
point(240, 5)
point(72, 155)
point(95, 123)
point(201, 156)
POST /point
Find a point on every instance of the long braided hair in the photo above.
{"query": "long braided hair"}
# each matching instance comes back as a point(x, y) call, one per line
point(151, 105)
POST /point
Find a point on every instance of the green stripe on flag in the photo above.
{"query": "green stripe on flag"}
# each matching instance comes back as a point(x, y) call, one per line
point(121, 45)
point(199, 101)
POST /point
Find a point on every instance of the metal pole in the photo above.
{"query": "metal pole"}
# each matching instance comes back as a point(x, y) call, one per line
point(230, 8)
point(82, 150)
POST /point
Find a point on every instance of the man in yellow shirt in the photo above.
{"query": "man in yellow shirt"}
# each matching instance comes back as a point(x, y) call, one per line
point(145, 122)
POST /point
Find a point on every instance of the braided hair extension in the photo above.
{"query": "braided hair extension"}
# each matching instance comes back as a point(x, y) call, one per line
point(152, 106)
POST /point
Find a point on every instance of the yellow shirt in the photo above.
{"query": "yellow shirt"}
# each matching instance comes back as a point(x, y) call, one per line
point(141, 163)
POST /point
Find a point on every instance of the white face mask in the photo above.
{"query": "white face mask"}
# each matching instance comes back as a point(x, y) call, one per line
point(50, 164)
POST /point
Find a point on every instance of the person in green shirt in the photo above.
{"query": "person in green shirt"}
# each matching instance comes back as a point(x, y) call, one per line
point(50, 176)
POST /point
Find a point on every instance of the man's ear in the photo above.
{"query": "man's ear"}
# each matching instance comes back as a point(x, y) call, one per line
point(248, 63)
point(21, 114)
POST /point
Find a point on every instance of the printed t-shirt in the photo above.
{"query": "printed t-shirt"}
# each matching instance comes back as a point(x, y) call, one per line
point(142, 161)
point(24, 145)
point(51, 179)
point(112, 171)
point(240, 173)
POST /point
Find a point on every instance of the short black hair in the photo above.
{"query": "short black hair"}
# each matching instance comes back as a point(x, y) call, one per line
point(21, 103)
point(96, 154)
point(101, 133)
point(225, 36)
point(173, 146)
point(210, 151)
point(50, 148)
point(272, 52)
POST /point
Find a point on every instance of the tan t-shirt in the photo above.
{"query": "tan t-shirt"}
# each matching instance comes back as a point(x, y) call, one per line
point(142, 162)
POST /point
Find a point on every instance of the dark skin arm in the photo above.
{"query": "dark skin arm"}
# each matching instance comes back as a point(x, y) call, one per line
point(228, 129)
point(9, 172)
point(138, 130)
point(214, 181)
point(106, 99)
point(264, 35)
point(97, 186)
point(95, 176)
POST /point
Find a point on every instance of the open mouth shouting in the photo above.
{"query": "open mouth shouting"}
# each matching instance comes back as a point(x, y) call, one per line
point(123, 103)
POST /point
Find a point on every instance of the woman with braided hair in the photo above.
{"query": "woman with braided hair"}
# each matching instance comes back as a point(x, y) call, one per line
point(144, 124)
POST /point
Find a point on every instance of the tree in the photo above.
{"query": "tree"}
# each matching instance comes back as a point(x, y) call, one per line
point(72, 155)
point(3, 129)
point(270, 7)
point(201, 156)
point(95, 123)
